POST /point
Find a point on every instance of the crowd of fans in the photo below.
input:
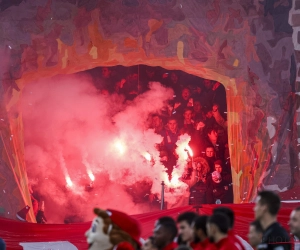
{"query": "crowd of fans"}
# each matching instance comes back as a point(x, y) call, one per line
point(191, 231)
point(199, 109)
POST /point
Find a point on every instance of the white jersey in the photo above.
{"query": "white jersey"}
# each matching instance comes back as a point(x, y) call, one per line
point(245, 243)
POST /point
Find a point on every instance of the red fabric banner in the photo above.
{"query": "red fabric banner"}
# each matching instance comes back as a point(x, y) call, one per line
point(14, 232)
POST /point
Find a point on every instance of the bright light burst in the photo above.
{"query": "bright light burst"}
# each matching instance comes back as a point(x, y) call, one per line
point(69, 181)
point(91, 175)
point(147, 156)
point(188, 148)
point(120, 147)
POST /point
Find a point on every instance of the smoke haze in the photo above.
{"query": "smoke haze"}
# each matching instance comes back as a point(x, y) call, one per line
point(74, 135)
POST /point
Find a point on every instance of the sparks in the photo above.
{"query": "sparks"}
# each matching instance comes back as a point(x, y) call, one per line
point(190, 150)
point(69, 181)
point(147, 156)
point(91, 175)
point(120, 146)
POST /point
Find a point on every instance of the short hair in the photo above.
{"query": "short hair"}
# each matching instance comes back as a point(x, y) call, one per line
point(297, 209)
point(209, 130)
point(171, 118)
point(188, 109)
point(256, 224)
point(270, 199)
point(189, 217)
point(218, 162)
point(165, 219)
point(158, 115)
point(170, 227)
point(228, 212)
point(200, 223)
point(221, 221)
point(185, 88)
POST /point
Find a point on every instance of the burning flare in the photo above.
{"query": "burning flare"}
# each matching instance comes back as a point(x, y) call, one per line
point(91, 175)
point(147, 156)
point(190, 151)
point(69, 181)
point(120, 147)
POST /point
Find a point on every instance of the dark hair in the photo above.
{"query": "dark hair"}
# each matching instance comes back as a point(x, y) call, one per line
point(209, 130)
point(228, 212)
point(188, 109)
point(189, 217)
point(171, 118)
point(221, 221)
point(297, 209)
point(218, 162)
point(200, 223)
point(155, 114)
point(170, 227)
point(185, 88)
point(270, 199)
point(165, 219)
point(257, 226)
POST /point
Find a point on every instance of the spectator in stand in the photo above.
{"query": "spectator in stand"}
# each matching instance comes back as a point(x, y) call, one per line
point(185, 228)
point(214, 141)
point(172, 80)
point(197, 92)
point(210, 121)
point(188, 123)
point(217, 231)
point(149, 244)
point(2, 244)
point(219, 98)
point(219, 191)
point(201, 233)
point(226, 178)
point(219, 168)
point(255, 233)
point(164, 234)
point(197, 181)
point(239, 241)
point(35, 203)
point(148, 74)
point(267, 205)
point(182, 102)
point(198, 112)
point(210, 157)
point(157, 124)
point(170, 136)
point(218, 117)
point(129, 87)
point(208, 95)
point(294, 224)
point(106, 81)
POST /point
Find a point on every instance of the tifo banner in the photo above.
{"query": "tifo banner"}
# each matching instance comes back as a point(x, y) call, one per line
point(71, 236)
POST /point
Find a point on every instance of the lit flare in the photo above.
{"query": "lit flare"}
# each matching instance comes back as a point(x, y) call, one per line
point(91, 175)
point(147, 156)
point(120, 147)
point(69, 181)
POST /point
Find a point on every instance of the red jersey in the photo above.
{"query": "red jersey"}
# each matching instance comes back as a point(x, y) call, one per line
point(232, 236)
point(224, 244)
point(205, 245)
point(171, 246)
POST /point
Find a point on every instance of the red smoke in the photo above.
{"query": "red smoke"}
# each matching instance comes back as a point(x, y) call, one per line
point(75, 136)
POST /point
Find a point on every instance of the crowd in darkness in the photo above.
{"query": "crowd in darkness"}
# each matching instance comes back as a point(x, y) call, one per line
point(198, 108)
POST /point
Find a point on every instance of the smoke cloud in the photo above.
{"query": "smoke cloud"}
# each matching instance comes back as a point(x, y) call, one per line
point(75, 136)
